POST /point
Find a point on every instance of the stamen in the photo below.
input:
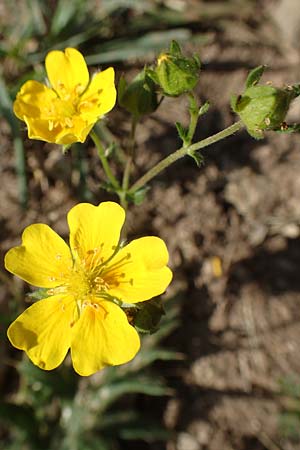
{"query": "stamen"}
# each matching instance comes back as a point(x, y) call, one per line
point(69, 122)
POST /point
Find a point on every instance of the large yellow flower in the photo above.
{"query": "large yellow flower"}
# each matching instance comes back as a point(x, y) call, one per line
point(87, 283)
point(66, 112)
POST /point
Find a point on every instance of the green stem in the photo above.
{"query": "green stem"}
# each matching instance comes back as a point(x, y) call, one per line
point(193, 109)
point(128, 166)
point(106, 167)
point(21, 170)
point(130, 157)
point(183, 151)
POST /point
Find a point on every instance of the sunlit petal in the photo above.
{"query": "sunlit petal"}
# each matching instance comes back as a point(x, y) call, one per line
point(44, 330)
point(42, 260)
point(95, 230)
point(33, 100)
point(102, 337)
point(139, 271)
point(67, 72)
point(100, 96)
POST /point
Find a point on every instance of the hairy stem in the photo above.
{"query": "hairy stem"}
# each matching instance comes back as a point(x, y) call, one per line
point(183, 151)
point(106, 167)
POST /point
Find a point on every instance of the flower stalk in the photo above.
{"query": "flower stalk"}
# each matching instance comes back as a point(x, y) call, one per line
point(183, 151)
point(106, 167)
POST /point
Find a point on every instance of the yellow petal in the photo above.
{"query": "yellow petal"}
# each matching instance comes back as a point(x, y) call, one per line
point(102, 337)
point(100, 96)
point(139, 271)
point(43, 258)
point(67, 72)
point(40, 129)
point(43, 331)
point(76, 131)
point(62, 135)
point(33, 100)
point(95, 230)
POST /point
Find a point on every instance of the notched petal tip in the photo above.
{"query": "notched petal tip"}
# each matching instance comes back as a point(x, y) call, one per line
point(67, 71)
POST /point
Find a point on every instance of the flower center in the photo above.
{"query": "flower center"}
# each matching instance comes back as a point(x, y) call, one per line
point(61, 110)
point(91, 277)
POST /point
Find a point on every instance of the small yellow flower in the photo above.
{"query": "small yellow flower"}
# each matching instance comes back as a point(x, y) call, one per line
point(67, 111)
point(86, 284)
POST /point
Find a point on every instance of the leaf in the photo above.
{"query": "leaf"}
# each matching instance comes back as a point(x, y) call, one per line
point(254, 76)
point(203, 109)
point(138, 196)
point(197, 157)
point(182, 131)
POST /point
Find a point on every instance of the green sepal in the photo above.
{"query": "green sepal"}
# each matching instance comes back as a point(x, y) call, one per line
point(148, 316)
point(39, 294)
point(175, 48)
point(138, 97)
point(254, 76)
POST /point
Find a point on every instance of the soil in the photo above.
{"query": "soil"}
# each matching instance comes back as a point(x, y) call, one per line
point(233, 231)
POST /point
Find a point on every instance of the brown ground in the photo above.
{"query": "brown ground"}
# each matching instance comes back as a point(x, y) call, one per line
point(232, 228)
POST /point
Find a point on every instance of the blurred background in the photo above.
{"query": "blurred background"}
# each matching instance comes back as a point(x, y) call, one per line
point(223, 371)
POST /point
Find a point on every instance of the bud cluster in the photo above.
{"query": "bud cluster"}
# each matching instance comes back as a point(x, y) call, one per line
point(174, 74)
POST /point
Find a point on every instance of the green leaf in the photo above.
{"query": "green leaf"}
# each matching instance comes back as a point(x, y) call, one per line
point(254, 76)
point(203, 109)
point(138, 196)
point(197, 157)
point(182, 131)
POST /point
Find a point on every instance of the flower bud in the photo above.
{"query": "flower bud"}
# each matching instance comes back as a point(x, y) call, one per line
point(139, 97)
point(175, 73)
point(262, 107)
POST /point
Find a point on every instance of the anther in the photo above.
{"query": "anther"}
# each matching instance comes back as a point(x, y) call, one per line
point(69, 122)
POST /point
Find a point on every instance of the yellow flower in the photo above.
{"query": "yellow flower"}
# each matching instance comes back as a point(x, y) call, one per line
point(86, 284)
point(67, 111)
